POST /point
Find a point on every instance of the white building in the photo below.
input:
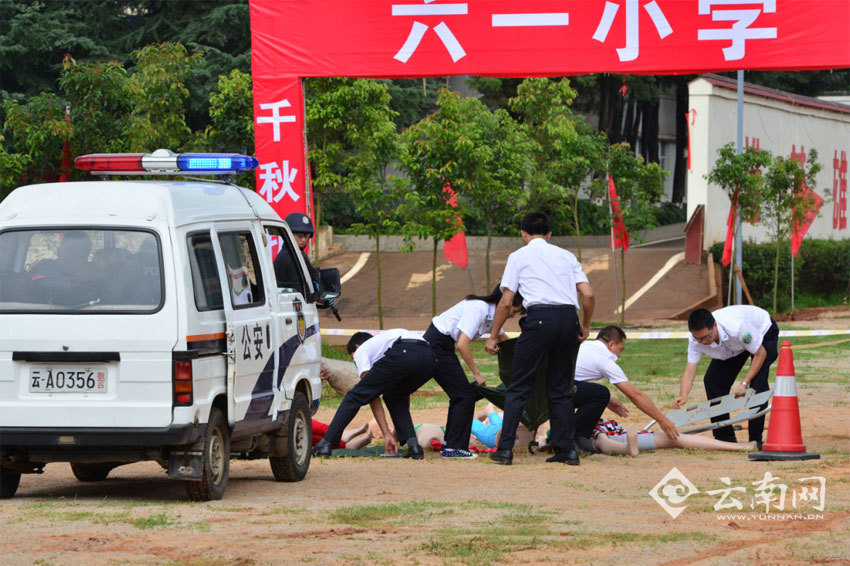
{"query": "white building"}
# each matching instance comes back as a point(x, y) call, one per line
point(780, 122)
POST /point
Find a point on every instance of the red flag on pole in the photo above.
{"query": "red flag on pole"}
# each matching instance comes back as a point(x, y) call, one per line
point(798, 232)
point(66, 152)
point(619, 235)
point(455, 250)
point(730, 232)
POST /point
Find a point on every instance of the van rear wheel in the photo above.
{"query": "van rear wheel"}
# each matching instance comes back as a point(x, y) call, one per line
point(216, 454)
point(9, 480)
point(92, 472)
point(291, 459)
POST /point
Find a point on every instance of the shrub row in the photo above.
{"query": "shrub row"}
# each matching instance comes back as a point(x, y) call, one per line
point(822, 269)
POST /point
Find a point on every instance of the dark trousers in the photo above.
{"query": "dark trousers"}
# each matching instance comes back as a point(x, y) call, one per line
point(551, 332)
point(404, 368)
point(590, 401)
point(721, 375)
point(452, 379)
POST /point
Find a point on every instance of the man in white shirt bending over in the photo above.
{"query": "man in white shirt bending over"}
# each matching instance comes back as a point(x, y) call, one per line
point(392, 365)
point(597, 359)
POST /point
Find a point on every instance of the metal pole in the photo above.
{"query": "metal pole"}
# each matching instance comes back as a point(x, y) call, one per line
point(792, 286)
point(740, 149)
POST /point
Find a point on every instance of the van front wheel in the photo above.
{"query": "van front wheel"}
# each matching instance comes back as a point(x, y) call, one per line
point(291, 459)
point(216, 456)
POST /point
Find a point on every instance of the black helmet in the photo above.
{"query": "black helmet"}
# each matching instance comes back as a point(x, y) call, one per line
point(299, 223)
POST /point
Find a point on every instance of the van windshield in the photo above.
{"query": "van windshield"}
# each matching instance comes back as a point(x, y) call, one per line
point(81, 271)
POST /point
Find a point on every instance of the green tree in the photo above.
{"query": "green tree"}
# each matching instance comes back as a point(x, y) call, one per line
point(568, 154)
point(339, 110)
point(639, 186)
point(444, 149)
point(373, 191)
point(232, 119)
point(498, 191)
point(786, 202)
point(158, 93)
point(37, 130)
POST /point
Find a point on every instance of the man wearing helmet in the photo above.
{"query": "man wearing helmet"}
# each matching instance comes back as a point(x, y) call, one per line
point(302, 229)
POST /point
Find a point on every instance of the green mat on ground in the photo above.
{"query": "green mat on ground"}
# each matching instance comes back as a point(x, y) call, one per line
point(366, 452)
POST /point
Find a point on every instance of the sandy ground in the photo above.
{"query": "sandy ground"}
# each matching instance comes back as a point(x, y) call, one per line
point(377, 511)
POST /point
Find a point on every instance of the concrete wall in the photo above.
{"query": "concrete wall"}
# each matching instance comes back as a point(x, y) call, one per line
point(394, 243)
point(773, 120)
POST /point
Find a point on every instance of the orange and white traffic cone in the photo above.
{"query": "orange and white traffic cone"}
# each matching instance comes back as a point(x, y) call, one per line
point(784, 438)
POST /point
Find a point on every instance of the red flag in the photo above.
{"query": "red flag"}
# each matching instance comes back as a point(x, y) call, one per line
point(455, 250)
point(66, 151)
point(730, 232)
point(619, 235)
point(799, 232)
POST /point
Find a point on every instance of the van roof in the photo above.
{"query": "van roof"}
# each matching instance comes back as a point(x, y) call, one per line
point(175, 202)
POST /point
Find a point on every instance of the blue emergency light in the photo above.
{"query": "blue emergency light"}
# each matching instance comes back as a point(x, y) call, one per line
point(164, 162)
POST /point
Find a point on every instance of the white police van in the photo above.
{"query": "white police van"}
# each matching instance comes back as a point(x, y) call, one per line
point(171, 321)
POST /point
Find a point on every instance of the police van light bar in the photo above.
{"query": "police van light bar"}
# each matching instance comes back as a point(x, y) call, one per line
point(164, 162)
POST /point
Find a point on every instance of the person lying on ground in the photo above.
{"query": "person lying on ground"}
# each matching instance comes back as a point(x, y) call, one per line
point(487, 427)
point(612, 439)
point(352, 438)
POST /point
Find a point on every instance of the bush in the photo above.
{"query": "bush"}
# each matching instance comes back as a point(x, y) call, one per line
point(670, 213)
point(822, 271)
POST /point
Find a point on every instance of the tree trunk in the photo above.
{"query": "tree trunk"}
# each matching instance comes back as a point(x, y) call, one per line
point(681, 161)
point(378, 260)
point(487, 257)
point(776, 274)
point(629, 122)
point(649, 133)
point(623, 282)
point(576, 225)
point(434, 281)
point(604, 124)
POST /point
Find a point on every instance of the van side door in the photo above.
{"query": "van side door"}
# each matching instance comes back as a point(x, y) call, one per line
point(296, 317)
point(251, 360)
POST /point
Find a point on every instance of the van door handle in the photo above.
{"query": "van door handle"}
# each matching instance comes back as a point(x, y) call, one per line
point(288, 321)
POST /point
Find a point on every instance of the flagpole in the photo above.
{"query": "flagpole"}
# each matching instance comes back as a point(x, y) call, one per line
point(792, 282)
point(739, 240)
point(613, 253)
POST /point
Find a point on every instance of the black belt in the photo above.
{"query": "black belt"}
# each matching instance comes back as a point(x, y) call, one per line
point(551, 307)
point(409, 341)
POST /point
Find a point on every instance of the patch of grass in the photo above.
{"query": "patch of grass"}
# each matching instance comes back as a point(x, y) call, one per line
point(202, 527)
point(397, 512)
point(153, 521)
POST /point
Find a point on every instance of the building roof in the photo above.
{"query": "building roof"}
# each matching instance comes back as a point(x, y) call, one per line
point(776, 94)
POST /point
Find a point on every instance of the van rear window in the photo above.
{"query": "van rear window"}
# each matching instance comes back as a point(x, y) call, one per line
point(81, 271)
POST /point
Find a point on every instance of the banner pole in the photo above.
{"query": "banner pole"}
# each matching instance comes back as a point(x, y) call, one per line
point(792, 285)
point(740, 149)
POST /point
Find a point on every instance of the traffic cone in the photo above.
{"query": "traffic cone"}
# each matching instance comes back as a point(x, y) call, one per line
point(784, 438)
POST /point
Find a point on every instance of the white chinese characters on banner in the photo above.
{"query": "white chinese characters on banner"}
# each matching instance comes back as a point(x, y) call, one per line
point(276, 119)
point(277, 182)
point(740, 31)
point(632, 49)
point(418, 29)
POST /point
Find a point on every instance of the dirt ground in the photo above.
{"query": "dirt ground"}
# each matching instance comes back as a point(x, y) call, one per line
point(378, 511)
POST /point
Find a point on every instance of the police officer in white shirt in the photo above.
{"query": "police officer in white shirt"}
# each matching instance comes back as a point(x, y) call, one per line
point(550, 280)
point(597, 359)
point(392, 365)
point(464, 322)
point(730, 336)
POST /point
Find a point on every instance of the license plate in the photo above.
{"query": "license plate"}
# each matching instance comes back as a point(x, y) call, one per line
point(68, 380)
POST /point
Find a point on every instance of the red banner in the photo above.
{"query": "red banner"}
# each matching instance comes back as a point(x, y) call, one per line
point(730, 232)
point(619, 235)
point(279, 144)
point(417, 38)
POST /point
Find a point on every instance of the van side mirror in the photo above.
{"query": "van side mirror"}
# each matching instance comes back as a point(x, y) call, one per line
point(329, 285)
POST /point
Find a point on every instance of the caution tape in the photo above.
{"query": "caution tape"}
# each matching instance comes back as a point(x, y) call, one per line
point(642, 335)
point(819, 344)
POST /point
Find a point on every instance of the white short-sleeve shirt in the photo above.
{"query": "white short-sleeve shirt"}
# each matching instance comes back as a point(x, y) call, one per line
point(596, 361)
point(374, 348)
point(472, 317)
point(544, 274)
point(741, 327)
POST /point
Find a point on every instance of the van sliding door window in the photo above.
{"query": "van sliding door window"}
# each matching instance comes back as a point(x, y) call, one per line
point(244, 278)
point(205, 282)
point(287, 267)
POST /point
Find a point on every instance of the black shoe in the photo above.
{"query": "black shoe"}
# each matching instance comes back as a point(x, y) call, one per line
point(415, 452)
point(505, 457)
point(570, 457)
point(759, 445)
point(322, 449)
